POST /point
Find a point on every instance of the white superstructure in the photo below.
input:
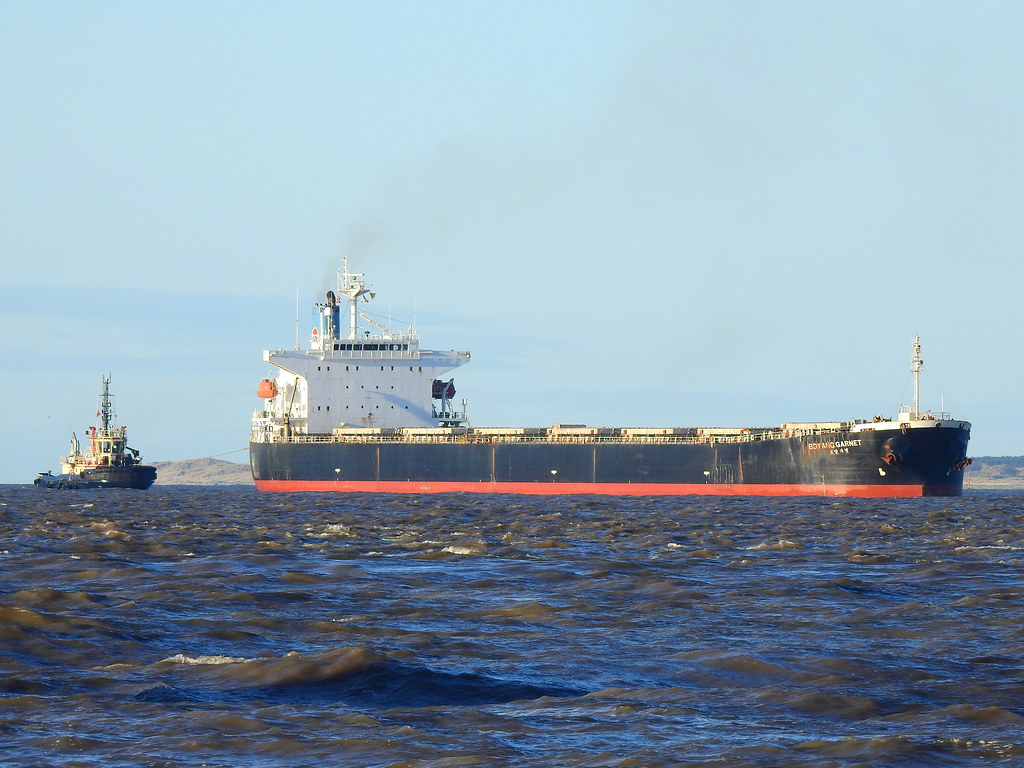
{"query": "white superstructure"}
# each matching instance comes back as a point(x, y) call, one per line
point(357, 372)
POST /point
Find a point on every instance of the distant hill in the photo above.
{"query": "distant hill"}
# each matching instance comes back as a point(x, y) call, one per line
point(995, 473)
point(202, 472)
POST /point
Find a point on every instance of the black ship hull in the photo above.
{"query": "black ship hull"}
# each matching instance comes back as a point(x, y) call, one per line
point(920, 461)
point(138, 477)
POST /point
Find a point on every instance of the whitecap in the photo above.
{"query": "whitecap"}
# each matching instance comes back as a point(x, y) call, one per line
point(181, 658)
point(780, 545)
point(454, 549)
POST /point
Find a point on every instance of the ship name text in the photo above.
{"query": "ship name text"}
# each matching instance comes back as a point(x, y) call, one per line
point(834, 446)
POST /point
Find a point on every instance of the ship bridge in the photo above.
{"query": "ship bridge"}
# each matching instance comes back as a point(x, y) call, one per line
point(356, 372)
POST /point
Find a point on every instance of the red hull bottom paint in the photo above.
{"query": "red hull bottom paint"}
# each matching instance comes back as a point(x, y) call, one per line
point(606, 489)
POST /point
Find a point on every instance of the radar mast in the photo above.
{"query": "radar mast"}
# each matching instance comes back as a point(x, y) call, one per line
point(351, 286)
point(915, 368)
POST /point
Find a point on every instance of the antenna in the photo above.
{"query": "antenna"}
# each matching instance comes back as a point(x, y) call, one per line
point(296, 319)
point(915, 368)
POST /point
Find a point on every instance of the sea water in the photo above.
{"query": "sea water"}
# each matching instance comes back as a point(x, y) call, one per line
point(223, 627)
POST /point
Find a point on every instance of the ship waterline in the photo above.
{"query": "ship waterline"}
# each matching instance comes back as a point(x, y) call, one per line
point(610, 489)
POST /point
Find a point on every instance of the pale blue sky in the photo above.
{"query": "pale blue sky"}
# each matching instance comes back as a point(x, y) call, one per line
point(633, 214)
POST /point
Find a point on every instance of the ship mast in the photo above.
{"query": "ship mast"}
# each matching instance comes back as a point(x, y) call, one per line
point(350, 286)
point(915, 368)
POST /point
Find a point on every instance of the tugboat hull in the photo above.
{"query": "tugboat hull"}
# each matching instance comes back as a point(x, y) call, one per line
point(138, 477)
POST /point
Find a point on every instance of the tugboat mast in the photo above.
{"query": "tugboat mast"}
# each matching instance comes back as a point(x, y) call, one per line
point(106, 410)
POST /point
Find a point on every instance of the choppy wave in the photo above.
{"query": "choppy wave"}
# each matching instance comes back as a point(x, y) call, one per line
point(224, 627)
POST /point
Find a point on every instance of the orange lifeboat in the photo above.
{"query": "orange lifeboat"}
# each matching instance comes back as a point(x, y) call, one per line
point(267, 389)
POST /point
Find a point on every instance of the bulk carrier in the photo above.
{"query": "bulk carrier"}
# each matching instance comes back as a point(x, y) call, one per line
point(364, 408)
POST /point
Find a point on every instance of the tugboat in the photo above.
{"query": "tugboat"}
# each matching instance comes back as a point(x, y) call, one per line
point(108, 463)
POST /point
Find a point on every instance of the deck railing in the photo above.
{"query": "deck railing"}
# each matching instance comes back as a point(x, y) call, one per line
point(474, 438)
